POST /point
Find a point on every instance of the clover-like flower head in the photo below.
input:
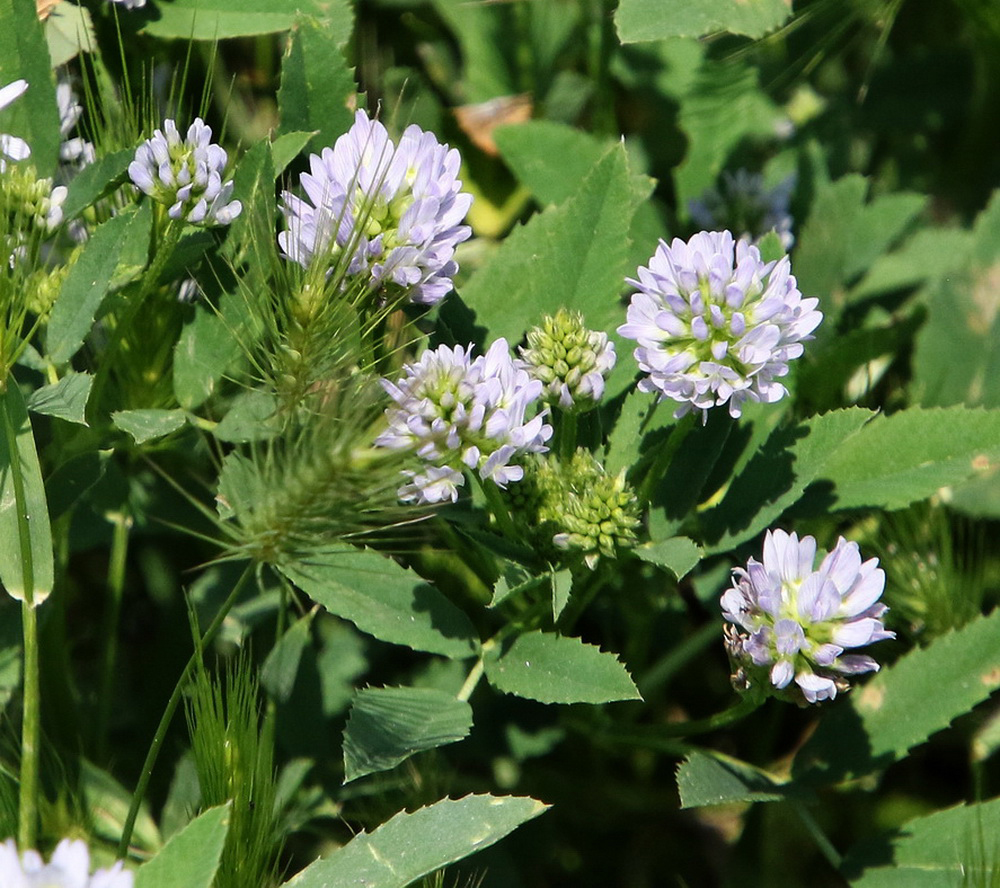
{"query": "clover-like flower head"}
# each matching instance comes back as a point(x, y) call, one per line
point(571, 361)
point(716, 324)
point(456, 412)
point(69, 867)
point(793, 623)
point(186, 174)
point(12, 147)
point(395, 210)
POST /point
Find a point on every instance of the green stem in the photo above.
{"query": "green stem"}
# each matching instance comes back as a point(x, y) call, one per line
point(475, 673)
point(825, 846)
point(30, 731)
point(497, 506)
point(567, 436)
point(116, 588)
point(171, 708)
point(666, 456)
point(656, 736)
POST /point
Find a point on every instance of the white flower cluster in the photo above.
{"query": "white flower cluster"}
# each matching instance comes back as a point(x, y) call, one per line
point(389, 214)
point(186, 174)
point(716, 324)
point(457, 412)
point(69, 867)
point(12, 147)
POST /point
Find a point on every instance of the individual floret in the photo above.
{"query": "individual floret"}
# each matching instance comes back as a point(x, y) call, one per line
point(11, 147)
point(571, 361)
point(186, 175)
point(791, 623)
point(715, 324)
point(384, 214)
point(456, 413)
point(69, 867)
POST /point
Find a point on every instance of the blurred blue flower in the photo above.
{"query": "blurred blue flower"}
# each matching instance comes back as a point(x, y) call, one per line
point(457, 412)
point(716, 324)
point(186, 174)
point(742, 203)
point(392, 214)
point(791, 622)
point(69, 867)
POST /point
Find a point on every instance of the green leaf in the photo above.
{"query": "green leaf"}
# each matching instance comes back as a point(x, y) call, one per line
point(209, 346)
point(73, 479)
point(26, 561)
point(96, 180)
point(905, 703)
point(717, 779)
point(409, 846)
point(724, 106)
point(625, 441)
point(928, 254)
point(570, 255)
point(901, 459)
point(642, 20)
point(69, 31)
point(66, 399)
point(282, 665)
point(221, 19)
point(24, 53)
point(108, 803)
point(191, 857)
point(778, 474)
point(318, 91)
point(251, 417)
point(89, 279)
point(483, 32)
point(558, 669)
point(953, 848)
point(562, 586)
point(385, 600)
point(388, 725)
point(146, 425)
point(286, 148)
point(679, 555)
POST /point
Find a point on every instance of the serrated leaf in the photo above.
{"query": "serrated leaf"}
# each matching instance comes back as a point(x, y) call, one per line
point(281, 667)
point(191, 857)
point(954, 848)
point(558, 669)
point(901, 459)
point(562, 586)
point(679, 555)
point(147, 425)
point(66, 399)
point(905, 703)
point(409, 846)
point(717, 779)
point(317, 90)
point(89, 279)
point(24, 516)
point(778, 474)
point(222, 19)
point(25, 54)
point(534, 271)
point(644, 20)
point(388, 725)
point(385, 600)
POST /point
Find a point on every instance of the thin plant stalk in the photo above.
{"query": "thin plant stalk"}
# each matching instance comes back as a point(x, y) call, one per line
point(116, 588)
point(171, 708)
point(30, 730)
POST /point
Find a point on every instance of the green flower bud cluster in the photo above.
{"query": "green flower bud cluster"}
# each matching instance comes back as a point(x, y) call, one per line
point(576, 509)
point(571, 361)
point(27, 202)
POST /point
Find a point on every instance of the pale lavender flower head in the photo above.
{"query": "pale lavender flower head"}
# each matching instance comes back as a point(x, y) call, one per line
point(12, 147)
point(791, 624)
point(186, 174)
point(743, 203)
point(716, 324)
point(387, 214)
point(69, 867)
point(455, 411)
